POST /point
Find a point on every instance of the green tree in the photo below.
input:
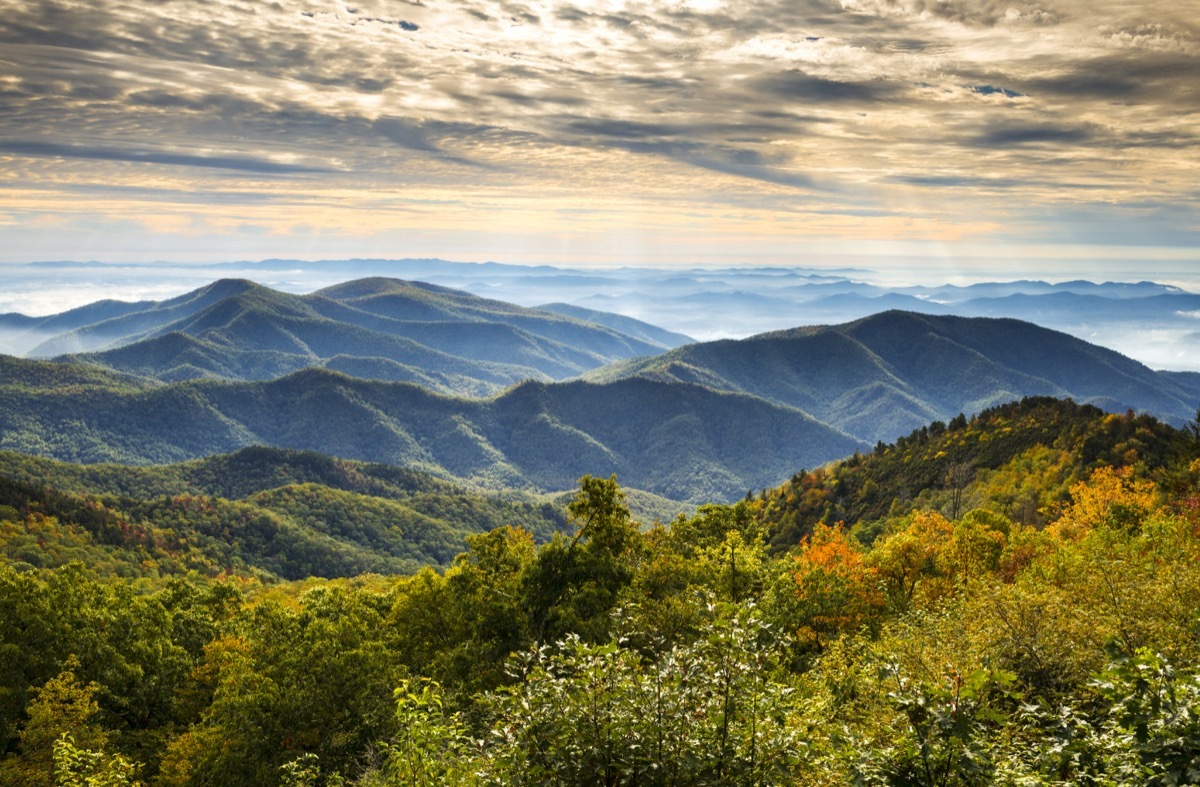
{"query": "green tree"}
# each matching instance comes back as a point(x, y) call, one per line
point(948, 733)
point(80, 767)
point(62, 706)
point(483, 589)
point(574, 583)
point(287, 682)
point(709, 712)
point(431, 746)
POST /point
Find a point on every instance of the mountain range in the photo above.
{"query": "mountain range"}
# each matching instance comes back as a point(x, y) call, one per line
point(697, 423)
point(446, 340)
point(1157, 323)
point(680, 441)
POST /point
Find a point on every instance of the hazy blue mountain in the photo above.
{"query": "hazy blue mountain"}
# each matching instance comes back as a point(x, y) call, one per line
point(129, 325)
point(448, 340)
point(416, 302)
point(74, 318)
point(702, 303)
point(680, 441)
point(1068, 307)
point(861, 303)
point(810, 291)
point(1188, 381)
point(19, 333)
point(882, 376)
point(952, 293)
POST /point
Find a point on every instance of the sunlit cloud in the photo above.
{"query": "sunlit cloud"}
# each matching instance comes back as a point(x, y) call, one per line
point(549, 125)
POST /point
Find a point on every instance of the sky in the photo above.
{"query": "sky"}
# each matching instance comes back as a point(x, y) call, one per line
point(1059, 137)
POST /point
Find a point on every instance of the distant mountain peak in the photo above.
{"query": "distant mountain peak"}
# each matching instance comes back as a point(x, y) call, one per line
point(224, 288)
point(383, 328)
point(378, 285)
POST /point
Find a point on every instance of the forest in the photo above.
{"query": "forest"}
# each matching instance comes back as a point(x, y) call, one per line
point(1011, 598)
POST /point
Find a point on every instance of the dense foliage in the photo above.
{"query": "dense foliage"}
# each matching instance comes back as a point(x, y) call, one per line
point(924, 647)
point(260, 512)
point(1018, 460)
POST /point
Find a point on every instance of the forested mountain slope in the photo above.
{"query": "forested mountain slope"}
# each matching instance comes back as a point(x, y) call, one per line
point(1018, 459)
point(259, 512)
point(882, 376)
point(681, 441)
point(935, 646)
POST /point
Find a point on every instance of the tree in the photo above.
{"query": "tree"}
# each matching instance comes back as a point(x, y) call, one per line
point(573, 584)
point(957, 478)
point(947, 738)
point(1110, 498)
point(835, 590)
point(430, 747)
point(708, 712)
point(484, 592)
point(914, 558)
point(61, 707)
point(80, 767)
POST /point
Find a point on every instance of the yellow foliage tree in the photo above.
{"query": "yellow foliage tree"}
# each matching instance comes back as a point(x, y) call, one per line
point(1110, 498)
point(917, 557)
point(61, 706)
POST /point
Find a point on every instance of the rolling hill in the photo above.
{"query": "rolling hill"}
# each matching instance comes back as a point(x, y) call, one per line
point(882, 376)
point(260, 511)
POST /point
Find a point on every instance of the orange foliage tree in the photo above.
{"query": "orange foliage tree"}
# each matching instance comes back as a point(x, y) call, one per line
point(836, 589)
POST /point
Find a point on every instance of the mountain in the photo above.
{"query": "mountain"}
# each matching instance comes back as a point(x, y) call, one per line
point(125, 325)
point(1065, 307)
point(882, 376)
point(445, 339)
point(681, 441)
point(1188, 381)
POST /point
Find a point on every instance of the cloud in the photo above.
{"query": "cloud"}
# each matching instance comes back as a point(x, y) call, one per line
point(974, 13)
point(787, 114)
point(236, 163)
point(798, 86)
point(1011, 135)
point(741, 163)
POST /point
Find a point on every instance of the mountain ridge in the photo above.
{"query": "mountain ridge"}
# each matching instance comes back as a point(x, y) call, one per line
point(701, 422)
point(905, 357)
point(447, 339)
point(680, 441)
